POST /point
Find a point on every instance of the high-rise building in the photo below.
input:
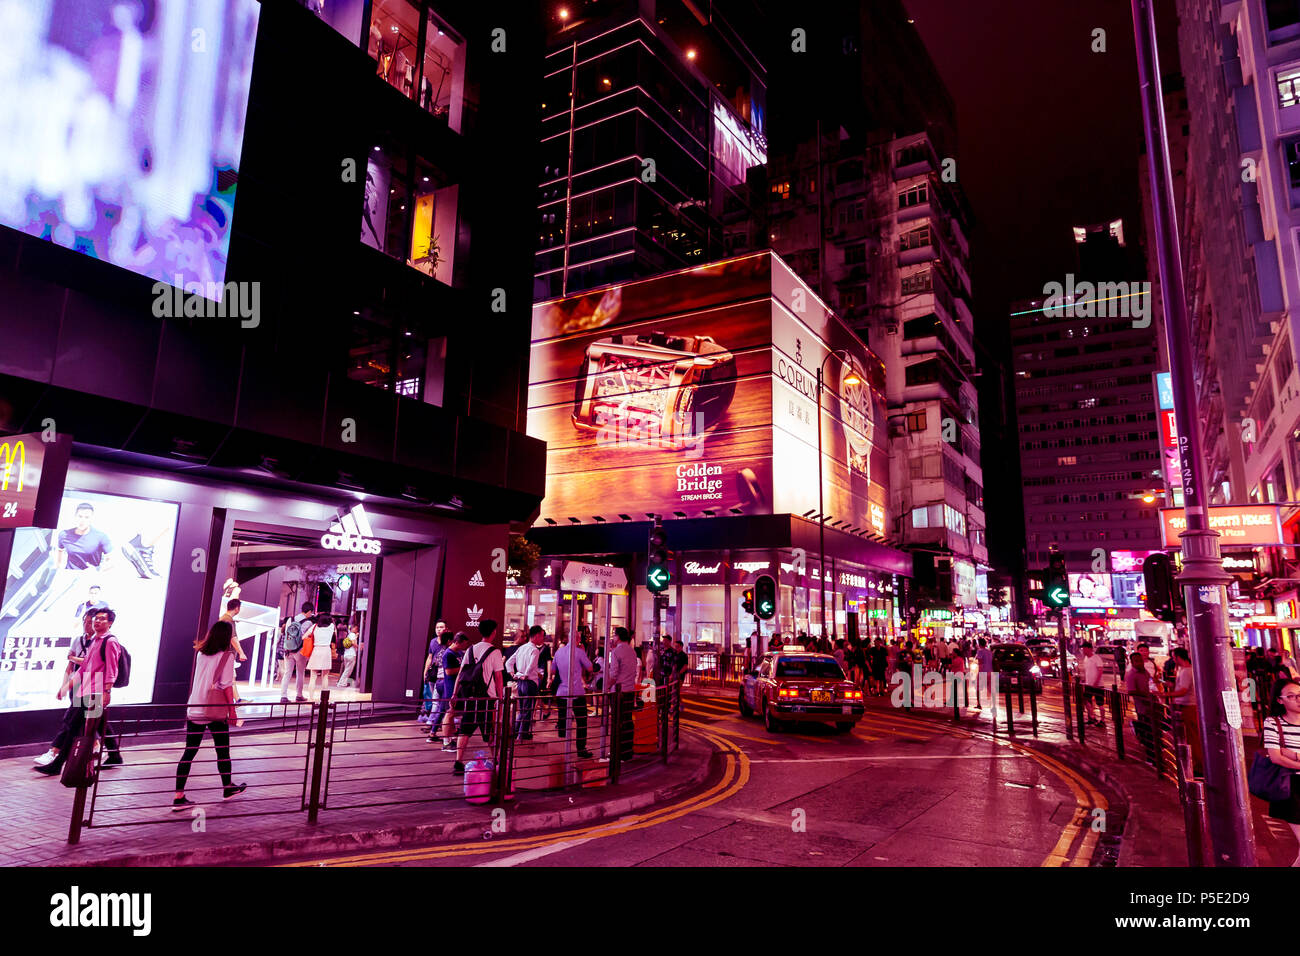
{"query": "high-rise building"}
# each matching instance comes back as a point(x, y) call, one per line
point(1090, 454)
point(1240, 229)
point(654, 117)
point(885, 241)
point(251, 304)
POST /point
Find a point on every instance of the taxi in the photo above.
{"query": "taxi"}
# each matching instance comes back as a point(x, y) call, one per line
point(791, 685)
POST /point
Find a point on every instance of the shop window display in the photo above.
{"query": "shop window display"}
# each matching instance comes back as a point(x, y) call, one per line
point(344, 16)
point(410, 217)
point(442, 78)
point(393, 43)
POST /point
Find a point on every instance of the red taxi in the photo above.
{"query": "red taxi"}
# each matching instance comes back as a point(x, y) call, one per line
point(793, 686)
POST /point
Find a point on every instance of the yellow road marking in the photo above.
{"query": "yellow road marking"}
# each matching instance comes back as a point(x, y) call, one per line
point(735, 777)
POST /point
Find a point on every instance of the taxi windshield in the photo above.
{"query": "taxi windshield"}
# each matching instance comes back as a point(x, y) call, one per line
point(814, 667)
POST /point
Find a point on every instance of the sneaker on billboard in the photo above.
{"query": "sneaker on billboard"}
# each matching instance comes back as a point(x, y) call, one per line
point(47, 758)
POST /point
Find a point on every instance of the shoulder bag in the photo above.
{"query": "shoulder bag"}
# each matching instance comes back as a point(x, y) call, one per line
point(1268, 780)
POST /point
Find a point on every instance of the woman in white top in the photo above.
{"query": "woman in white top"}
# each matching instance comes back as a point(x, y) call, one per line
point(322, 653)
point(1282, 744)
point(211, 707)
point(350, 645)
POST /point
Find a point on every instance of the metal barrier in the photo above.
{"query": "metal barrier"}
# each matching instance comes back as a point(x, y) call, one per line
point(717, 669)
point(346, 755)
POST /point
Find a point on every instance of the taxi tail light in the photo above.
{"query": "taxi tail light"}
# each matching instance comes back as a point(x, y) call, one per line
point(787, 692)
point(852, 695)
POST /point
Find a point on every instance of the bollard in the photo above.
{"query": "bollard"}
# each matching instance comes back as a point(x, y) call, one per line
point(503, 745)
point(318, 756)
point(1033, 708)
point(1078, 707)
point(1117, 716)
point(616, 746)
point(1011, 720)
point(1065, 702)
point(1020, 691)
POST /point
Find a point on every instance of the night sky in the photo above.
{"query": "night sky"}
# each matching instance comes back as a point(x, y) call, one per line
point(1049, 136)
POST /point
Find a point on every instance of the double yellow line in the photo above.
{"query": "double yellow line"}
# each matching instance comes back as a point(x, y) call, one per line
point(735, 775)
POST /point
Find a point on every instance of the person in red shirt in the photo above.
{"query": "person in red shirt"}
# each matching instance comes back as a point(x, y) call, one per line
point(92, 688)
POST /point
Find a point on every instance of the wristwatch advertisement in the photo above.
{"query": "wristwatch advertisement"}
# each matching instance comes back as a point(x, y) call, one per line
point(665, 389)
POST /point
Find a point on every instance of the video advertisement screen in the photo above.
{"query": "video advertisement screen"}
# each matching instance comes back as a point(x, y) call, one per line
point(121, 127)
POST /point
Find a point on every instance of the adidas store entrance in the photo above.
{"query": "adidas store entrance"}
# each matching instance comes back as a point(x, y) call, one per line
point(166, 551)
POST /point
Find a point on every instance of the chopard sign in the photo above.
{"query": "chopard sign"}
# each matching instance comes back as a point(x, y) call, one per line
point(694, 567)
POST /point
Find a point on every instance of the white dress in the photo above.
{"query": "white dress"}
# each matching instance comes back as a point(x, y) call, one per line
point(320, 659)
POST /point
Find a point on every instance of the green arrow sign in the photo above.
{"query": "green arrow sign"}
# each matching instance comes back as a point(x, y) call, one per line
point(765, 607)
point(1058, 597)
point(658, 578)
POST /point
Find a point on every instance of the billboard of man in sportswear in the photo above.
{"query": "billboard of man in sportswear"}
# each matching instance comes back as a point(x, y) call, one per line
point(104, 545)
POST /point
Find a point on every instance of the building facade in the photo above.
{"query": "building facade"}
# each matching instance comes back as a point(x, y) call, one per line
point(293, 401)
point(885, 240)
point(653, 118)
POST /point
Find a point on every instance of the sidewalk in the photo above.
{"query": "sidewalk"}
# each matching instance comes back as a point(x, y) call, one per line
point(134, 825)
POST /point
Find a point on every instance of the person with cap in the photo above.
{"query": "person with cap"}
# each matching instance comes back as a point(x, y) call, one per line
point(622, 681)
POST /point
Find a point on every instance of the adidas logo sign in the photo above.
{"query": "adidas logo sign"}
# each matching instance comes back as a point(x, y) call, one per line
point(477, 581)
point(474, 613)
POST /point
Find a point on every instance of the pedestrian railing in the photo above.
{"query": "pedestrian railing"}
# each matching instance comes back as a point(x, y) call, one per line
point(345, 755)
point(717, 668)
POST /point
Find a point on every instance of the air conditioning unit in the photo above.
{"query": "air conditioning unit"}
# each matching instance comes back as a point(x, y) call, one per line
point(891, 328)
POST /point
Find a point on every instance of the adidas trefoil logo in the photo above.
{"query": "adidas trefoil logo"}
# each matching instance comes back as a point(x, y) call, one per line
point(477, 580)
point(474, 613)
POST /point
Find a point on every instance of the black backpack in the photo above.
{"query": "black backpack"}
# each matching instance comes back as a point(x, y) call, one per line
point(123, 663)
point(472, 684)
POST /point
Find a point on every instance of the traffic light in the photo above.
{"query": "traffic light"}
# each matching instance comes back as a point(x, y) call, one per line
point(1163, 598)
point(747, 605)
point(765, 589)
point(1056, 581)
point(658, 574)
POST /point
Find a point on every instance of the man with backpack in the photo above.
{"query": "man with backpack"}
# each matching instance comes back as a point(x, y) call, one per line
point(295, 632)
point(478, 690)
point(106, 665)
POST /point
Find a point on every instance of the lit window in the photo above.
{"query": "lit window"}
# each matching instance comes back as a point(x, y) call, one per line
point(1288, 87)
point(781, 190)
point(1067, 460)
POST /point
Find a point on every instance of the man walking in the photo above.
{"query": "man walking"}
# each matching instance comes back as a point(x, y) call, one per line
point(92, 687)
point(447, 674)
point(76, 655)
point(574, 669)
point(294, 660)
point(479, 687)
point(1094, 697)
point(622, 681)
point(985, 679)
point(523, 666)
point(432, 661)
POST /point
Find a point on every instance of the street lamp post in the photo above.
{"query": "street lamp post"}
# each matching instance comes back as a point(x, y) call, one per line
point(1229, 816)
point(850, 379)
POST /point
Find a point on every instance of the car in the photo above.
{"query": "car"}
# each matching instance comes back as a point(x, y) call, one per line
point(1016, 662)
point(800, 687)
point(1046, 654)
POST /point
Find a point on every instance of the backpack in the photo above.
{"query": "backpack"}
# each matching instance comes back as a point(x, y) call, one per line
point(123, 663)
point(472, 683)
point(293, 634)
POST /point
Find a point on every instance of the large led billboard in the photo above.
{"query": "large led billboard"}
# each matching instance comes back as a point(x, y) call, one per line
point(697, 391)
point(121, 127)
point(106, 551)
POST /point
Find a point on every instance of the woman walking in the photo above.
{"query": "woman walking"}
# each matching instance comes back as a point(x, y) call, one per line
point(1282, 743)
point(322, 654)
point(212, 708)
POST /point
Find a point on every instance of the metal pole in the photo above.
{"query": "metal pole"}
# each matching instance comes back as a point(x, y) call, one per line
point(318, 756)
point(1062, 621)
point(571, 724)
point(821, 511)
point(1232, 835)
